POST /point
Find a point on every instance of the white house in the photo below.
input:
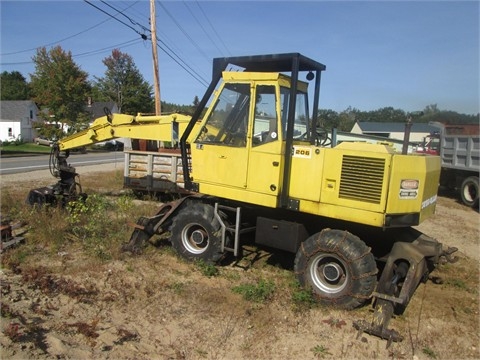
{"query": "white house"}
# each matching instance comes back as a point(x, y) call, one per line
point(391, 130)
point(17, 119)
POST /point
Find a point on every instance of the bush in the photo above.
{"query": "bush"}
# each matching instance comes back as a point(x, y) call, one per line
point(90, 223)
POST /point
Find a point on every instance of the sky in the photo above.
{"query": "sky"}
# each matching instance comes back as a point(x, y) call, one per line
point(404, 54)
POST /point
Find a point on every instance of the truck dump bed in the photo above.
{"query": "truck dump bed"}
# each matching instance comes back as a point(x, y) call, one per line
point(461, 152)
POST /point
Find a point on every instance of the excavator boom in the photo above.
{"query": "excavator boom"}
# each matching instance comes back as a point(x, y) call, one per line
point(165, 128)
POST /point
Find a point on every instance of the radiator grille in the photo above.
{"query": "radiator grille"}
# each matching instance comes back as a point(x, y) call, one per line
point(362, 178)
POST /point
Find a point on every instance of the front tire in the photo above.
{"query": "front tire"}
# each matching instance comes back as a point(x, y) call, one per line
point(338, 267)
point(469, 191)
point(196, 233)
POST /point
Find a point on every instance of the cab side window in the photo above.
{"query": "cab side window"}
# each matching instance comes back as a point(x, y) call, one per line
point(301, 121)
point(265, 125)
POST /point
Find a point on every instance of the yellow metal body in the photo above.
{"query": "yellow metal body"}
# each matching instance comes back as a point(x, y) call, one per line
point(168, 128)
point(238, 152)
point(358, 182)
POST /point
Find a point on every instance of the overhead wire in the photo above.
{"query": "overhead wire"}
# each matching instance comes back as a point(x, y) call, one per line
point(178, 59)
point(88, 53)
point(99, 51)
point(213, 28)
point(202, 27)
point(164, 47)
point(184, 32)
point(123, 14)
point(143, 36)
point(63, 39)
point(175, 57)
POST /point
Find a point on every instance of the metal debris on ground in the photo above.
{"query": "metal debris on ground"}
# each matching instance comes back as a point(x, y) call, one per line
point(11, 233)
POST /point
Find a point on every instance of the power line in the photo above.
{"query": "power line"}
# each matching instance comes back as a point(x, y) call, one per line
point(85, 54)
point(184, 32)
point(184, 65)
point(201, 26)
point(143, 36)
point(192, 73)
point(58, 41)
point(52, 43)
point(123, 45)
point(167, 50)
point(213, 28)
point(129, 18)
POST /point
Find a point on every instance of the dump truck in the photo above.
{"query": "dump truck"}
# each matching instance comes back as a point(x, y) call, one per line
point(254, 166)
point(459, 148)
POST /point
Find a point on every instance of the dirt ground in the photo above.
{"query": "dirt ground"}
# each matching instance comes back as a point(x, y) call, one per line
point(157, 306)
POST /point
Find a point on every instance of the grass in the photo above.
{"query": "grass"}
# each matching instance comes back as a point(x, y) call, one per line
point(320, 351)
point(90, 236)
point(15, 148)
point(24, 148)
point(260, 292)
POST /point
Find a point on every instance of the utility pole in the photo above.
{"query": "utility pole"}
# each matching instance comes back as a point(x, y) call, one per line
point(156, 77)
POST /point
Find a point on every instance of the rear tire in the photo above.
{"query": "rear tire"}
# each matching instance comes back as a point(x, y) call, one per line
point(196, 233)
point(338, 267)
point(469, 191)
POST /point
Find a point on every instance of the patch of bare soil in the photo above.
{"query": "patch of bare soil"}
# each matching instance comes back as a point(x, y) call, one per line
point(157, 306)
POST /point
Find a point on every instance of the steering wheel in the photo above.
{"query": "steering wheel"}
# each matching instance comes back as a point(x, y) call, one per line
point(322, 137)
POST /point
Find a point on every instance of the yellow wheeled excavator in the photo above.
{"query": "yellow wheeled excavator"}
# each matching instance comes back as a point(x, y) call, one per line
point(253, 160)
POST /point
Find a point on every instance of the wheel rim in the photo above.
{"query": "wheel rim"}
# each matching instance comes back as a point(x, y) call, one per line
point(195, 238)
point(470, 192)
point(328, 273)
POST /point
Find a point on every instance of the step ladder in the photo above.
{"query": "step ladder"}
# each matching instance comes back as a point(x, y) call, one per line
point(234, 229)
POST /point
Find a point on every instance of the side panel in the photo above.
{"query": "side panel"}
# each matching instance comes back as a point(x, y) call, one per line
point(355, 178)
point(222, 165)
point(306, 173)
point(265, 168)
point(404, 196)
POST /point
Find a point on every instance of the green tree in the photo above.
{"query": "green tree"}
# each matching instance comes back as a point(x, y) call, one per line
point(124, 84)
point(14, 86)
point(328, 119)
point(60, 87)
point(385, 114)
point(448, 117)
point(196, 101)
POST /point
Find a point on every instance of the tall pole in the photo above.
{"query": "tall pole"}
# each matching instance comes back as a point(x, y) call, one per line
point(156, 77)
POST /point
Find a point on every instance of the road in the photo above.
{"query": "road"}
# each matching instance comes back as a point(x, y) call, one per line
point(16, 164)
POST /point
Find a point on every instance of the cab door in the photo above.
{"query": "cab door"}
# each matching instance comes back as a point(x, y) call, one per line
point(266, 152)
point(220, 149)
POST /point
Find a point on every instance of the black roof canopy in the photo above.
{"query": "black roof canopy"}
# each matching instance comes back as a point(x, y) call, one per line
point(268, 63)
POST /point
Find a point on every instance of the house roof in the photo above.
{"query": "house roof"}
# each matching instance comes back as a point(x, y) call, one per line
point(96, 108)
point(15, 109)
point(391, 127)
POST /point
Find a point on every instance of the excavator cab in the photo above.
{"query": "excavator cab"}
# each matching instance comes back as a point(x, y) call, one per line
point(253, 121)
point(244, 134)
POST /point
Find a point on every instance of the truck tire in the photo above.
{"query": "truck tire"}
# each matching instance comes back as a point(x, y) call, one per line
point(469, 191)
point(196, 233)
point(338, 267)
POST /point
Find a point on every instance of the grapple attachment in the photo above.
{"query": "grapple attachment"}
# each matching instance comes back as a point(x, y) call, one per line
point(408, 264)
